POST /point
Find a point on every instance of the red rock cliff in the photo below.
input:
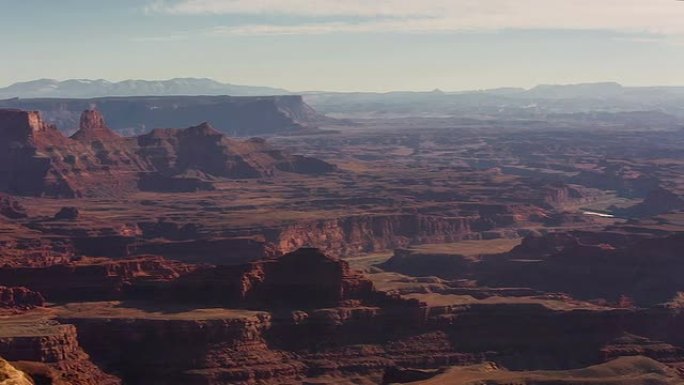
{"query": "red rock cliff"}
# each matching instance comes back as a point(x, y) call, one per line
point(36, 159)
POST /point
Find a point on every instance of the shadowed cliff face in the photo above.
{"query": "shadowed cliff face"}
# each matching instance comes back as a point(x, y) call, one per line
point(615, 268)
point(38, 160)
point(305, 278)
point(48, 353)
point(302, 317)
point(19, 297)
point(641, 271)
point(657, 201)
point(24, 163)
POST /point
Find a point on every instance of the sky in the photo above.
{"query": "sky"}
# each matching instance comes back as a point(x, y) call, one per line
point(347, 45)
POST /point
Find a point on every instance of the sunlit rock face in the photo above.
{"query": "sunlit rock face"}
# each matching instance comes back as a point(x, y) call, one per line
point(38, 160)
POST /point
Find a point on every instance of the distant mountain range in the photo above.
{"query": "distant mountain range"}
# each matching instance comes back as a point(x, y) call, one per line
point(606, 102)
point(84, 88)
point(87, 88)
point(584, 101)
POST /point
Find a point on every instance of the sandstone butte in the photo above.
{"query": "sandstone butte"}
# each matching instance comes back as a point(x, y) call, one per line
point(38, 160)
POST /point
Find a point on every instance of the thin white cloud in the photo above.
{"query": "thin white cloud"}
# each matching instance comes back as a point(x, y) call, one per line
point(407, 26)
point(154, 39)
point(302, 7)
point(664, 17)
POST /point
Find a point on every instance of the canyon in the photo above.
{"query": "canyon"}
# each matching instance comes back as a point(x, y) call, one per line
point(390, 251)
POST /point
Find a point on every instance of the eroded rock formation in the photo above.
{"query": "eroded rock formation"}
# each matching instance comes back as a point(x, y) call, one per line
point(307, 317)
point(38, 160)
point(9, 375)
point(203, 149)
point(10, 208)
point(600, 266)
point(25, 166)
point(305, 278)
point(50, 354)
point(19, 297)
point(92, 127)
point(94, 279)
point(657, 201)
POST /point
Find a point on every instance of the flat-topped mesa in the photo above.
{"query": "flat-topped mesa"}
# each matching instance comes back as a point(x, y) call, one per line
point(92, 279)
point(92, 126)
point(303, 279)
point(589, 267)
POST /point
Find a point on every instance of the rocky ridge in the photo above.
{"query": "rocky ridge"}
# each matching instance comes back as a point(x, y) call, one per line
point(38, 160)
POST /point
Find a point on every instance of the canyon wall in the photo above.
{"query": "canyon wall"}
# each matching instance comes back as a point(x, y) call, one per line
point(50, 353)
point(363, 342)
point(377, 232)
point(341, 236)
point(20, 297)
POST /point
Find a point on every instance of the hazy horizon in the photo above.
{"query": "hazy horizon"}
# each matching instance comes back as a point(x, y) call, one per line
point(324, 45)
point(502, 87)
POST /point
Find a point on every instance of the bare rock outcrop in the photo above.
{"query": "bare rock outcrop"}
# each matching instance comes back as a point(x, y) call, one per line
point(447, 266)
point(9, 375)
point(188, 350)
point(25, 164)
point(589, 267)
point(68, 213)
point(206, 150)
point(19, 297)
point(657, 201)
point(36, 159)
point(50, 353)
point(306, 278)
point(12, 209)
point(92, 127)
point(94, 279)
